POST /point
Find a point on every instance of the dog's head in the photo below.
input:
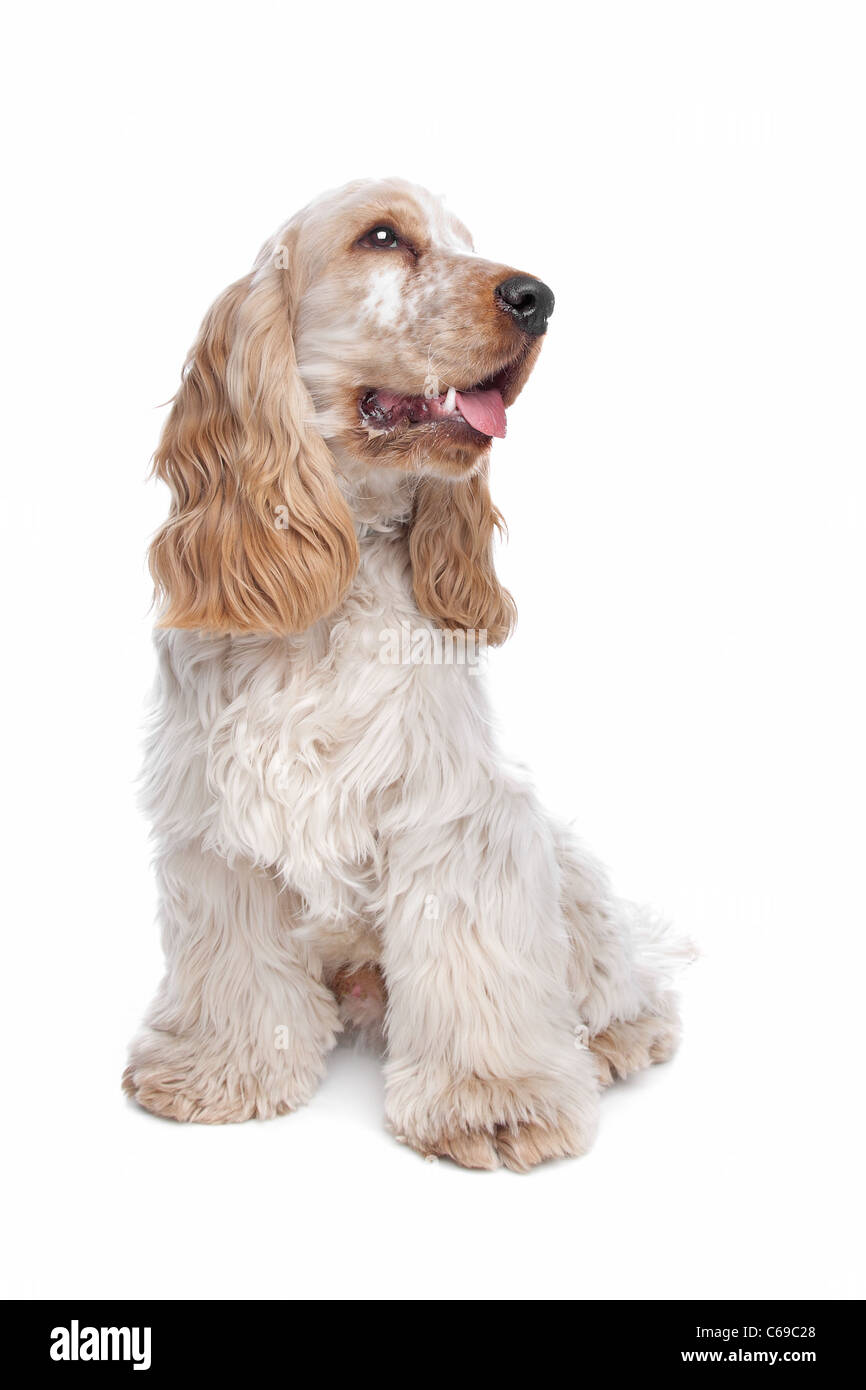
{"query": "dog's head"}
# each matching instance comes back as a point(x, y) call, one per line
point(411, 345)
point(368, 332)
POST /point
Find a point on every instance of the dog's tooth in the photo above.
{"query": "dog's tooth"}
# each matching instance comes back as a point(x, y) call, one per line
point(450, 399)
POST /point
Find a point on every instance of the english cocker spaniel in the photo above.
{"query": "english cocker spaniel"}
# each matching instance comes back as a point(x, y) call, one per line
point(339, 839)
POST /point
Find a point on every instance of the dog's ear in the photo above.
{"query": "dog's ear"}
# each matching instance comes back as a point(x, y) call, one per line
point(451, 545)
point(259, 537)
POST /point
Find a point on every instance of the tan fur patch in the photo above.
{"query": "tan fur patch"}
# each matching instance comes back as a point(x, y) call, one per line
point(623, 1048)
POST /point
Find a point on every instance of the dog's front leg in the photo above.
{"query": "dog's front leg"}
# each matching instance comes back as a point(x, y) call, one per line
point(483, 1064)
point(242, 1022)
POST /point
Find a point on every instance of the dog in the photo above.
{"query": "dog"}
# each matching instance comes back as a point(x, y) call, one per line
point(339, 840)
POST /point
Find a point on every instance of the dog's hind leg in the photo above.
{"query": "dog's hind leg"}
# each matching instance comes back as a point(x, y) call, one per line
point(241, 1024)
point(622, 964)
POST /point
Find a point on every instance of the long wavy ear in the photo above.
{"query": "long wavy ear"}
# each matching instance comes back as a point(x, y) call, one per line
point(451, 545)
point(259, 537)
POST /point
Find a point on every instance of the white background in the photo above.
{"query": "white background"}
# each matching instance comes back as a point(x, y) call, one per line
point(683, 478)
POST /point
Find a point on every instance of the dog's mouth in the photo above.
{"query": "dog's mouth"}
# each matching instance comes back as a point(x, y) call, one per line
point(481, 408)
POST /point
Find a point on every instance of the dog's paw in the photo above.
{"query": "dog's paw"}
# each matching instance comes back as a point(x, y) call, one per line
point(469, 1148)
point(623, 1048)
point(174, 1078)
point(519, 1147)
point(485, 1122)
point(226, 1099)
point(526, 1145)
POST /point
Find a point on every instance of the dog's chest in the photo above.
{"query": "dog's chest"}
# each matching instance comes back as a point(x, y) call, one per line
point(304, 749)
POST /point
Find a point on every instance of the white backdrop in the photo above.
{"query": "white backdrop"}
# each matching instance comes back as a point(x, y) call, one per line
point(683, 480)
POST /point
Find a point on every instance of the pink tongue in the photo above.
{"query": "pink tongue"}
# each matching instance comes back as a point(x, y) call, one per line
point(484, 411)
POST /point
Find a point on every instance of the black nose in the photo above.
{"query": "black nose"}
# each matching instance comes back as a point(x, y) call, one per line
point(528, 300)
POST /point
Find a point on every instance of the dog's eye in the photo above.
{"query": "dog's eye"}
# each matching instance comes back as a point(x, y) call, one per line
point(381, 239)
